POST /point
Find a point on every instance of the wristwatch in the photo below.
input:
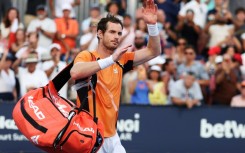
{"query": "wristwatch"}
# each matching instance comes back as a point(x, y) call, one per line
point(63, 36)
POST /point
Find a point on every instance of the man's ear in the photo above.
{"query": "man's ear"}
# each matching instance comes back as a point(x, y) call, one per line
point(100, 34)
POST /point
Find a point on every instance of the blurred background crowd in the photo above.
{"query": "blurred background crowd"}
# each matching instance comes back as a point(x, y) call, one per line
point(202, 60)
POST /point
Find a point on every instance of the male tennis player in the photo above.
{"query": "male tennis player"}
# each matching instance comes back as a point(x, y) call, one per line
point(111, 63)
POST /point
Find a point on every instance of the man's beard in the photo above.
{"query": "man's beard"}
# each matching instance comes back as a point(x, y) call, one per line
point(112, 48)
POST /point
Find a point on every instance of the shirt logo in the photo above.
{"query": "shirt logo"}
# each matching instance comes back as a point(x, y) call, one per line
point(115, 70)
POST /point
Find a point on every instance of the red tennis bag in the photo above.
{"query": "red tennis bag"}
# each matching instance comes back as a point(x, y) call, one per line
point(55, 124)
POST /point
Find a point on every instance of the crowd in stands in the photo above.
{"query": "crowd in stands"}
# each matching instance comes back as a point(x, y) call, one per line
point(202, 60)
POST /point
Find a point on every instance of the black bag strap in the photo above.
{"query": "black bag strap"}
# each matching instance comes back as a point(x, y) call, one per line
point(90, 84)
point(61, 78)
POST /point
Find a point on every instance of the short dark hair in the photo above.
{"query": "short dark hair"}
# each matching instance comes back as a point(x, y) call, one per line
point(190, 47)
point(127, 16)
point(239, 9)
point(102, 25)
point(167, 61)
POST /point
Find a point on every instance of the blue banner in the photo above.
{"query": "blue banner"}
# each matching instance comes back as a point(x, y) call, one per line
point(149, 129)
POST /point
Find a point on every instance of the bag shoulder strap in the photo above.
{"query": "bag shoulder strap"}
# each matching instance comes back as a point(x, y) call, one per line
point(61, 78)
point(83, 92)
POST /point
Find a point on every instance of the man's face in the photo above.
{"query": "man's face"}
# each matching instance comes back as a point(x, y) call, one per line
point(112, 36)
point(190, 54)
point(139, 41)
point(31, 67)
point(94, 13)
point(126, 22)
point(189, 80)
point(41, 14)
point(55, 53)
point(66, 13)
point(171, 68)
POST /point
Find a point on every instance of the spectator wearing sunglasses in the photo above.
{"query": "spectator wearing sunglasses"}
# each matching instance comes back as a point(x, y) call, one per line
point(195, 66)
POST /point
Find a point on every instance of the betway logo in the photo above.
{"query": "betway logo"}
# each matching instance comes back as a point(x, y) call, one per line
point(38, 113)
point(7, 123)
point(83, 129)
point(230, 129)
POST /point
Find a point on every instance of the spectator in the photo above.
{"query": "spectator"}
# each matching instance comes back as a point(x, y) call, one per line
point(169, 51)
point(44, 26)
point(139, 40)
point(30, 11)
point(226, 82)
point(210, 65)
point(169, 76)
point(67, 31)
point(89, 41)
point(188, 29)
point(186, 91)
point(7, 77)
point(171, 10)
point(94, 16)
point(53, 67)
point(122, 6)
point(128, 33)
point(20, 42)
point(30, 46)
point(158, 94)
point(4, 5)
point(239, 100)
point(139, 88)
point(219, 30)
point(128, 78)
point(141, 25)
point(113, 8)
point(195, 66)
point(239, 20)
point(200, 10)
point(220, 7)
point(30, 77)
point(10, 24)
point(56, 7)
point(179, 56)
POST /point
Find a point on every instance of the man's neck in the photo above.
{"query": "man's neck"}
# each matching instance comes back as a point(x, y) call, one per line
point(103, 51)
point(189, 63)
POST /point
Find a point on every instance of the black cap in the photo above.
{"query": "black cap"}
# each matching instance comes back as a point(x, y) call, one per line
point(41, 7)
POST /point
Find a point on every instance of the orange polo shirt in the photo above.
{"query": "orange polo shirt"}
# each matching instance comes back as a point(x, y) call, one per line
point(108, 89)
point(67, 28)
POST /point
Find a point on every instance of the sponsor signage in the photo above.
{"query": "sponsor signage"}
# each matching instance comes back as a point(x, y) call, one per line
point(148, 129)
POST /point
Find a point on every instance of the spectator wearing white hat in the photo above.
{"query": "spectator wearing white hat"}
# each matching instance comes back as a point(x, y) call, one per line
point(157, 96)
point(54, 66)
point(56, 7)
point(30, 77)
point(45, 26)
point(67, 31)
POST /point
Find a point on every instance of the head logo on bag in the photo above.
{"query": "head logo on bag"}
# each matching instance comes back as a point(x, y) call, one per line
point(38, 113)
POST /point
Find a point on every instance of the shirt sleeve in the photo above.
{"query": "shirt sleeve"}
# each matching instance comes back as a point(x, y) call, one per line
point(174, 92)
point(203, 73)
point(198, 92)
point(128, 61)
point(84, 56)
